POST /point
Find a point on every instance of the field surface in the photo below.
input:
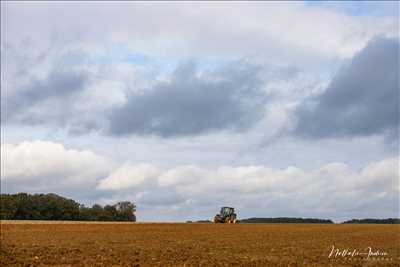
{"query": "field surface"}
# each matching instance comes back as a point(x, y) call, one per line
point(175, 244)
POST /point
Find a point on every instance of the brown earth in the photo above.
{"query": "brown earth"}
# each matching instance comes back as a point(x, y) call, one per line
point(179, 244)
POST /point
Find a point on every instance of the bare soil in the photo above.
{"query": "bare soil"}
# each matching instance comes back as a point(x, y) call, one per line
point(194, 244)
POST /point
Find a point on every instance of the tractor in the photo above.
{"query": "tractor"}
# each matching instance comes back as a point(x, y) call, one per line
point(226, 215)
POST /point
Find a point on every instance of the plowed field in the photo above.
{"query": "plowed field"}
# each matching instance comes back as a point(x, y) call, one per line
point(179, 244)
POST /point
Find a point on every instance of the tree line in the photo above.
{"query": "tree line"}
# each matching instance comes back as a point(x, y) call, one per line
point(284, 220)
point(375, 221)
point(23, 206)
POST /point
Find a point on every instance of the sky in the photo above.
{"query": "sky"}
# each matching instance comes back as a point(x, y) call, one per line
point(275, 108)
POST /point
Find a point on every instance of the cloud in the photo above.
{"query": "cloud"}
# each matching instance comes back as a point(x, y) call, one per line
point(128, 176)
point(42, 166)
point(354, 8)
point(59, 89)
point(333, 190)
point(192, 103)
point(266, 33)
point(191, 100)
point(361, 100)
point(30, 104)
point(185, 29)
point(182, 175)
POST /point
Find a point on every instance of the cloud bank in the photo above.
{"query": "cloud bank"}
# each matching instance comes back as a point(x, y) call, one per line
point(333, 190)
point(360, 100)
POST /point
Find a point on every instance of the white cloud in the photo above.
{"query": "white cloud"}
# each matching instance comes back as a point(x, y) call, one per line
point(272, 30)
point(47, 166)
point(334, 190)
point(182, 175)
point(128, 176)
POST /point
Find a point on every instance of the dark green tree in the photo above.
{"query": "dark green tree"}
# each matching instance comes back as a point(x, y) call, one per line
point(24, 206)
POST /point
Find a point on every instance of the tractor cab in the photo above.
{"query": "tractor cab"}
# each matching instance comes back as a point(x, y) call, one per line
point(226, 211)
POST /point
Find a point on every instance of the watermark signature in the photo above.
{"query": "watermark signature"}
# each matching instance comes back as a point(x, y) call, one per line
point(367, 254)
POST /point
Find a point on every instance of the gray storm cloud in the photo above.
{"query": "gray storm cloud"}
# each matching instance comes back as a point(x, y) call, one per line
point(192, 103)
point(34, 102)
point(361, 100)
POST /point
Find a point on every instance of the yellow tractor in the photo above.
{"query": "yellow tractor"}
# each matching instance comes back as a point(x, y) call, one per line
point(226, 215)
